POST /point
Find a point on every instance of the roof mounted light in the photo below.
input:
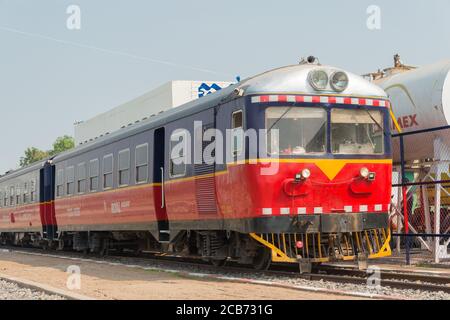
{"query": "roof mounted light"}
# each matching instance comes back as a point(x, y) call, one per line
point(318, 79)
point(339, 81)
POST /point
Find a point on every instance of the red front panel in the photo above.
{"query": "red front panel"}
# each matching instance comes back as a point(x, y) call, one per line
point(244, 192)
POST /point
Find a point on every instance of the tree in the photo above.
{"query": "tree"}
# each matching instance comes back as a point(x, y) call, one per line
point(32, 155)
point(62, 144)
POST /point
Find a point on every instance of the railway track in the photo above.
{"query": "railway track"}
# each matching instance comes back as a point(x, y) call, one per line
point(328, 273)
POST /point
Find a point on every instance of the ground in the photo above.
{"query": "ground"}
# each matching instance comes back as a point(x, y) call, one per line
point(104, 281)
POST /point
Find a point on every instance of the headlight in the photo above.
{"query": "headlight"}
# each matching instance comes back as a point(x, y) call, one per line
point(318, 79)
point(364, 173)
point(306, 174)
point(339, 81)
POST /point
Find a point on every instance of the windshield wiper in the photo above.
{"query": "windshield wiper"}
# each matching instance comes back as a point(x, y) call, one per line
point(279, 119)
point(375, 121)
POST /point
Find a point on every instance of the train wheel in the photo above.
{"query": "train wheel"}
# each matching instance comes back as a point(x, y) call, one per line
point(218, 263)
point(263, 259)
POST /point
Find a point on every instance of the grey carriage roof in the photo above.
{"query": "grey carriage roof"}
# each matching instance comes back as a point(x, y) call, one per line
point(290, 79)
point(17, 173)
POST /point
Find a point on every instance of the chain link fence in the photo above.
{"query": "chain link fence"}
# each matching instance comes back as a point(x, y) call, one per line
point(421, 193)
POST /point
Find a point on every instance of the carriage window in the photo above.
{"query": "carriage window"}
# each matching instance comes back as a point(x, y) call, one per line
point(5, 199)
point(108, 164)
point(357, 131)
point(33, 191)
point(237, 126)
point(296, 131)
point(11, 196)
point(178, 145)
point(25, 193)
point(93, 175)
point(142, 163)
point(81, 174)
point(70, 176)
point(124, 167)
point(60, 183)
point(18, 195)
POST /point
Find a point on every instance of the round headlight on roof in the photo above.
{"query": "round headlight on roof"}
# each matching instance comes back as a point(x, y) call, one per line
point(318, 79)
point(339, 81)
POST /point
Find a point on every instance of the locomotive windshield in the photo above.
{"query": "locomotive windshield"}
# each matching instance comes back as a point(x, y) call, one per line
point(303, 131)
point(357, 131)
point(300, 131)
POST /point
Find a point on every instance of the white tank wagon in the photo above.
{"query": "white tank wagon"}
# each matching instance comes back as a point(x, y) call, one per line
point(420, 100)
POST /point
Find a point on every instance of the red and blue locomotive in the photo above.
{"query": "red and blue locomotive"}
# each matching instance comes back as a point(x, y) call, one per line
point(292, 165)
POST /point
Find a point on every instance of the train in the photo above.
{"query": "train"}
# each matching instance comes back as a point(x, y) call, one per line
point(293, 165)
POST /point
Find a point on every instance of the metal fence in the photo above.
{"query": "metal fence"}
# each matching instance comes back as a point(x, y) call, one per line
point(421, 223)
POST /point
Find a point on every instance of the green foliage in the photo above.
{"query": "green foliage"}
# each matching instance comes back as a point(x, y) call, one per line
point(33, 154)
point(62, 144)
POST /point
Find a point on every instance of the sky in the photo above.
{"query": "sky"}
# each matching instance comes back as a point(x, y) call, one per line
point(52, 76)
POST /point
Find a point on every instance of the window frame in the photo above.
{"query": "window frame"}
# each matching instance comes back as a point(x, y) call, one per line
point(237, 153)
point(136, 167)
point(96, 160)
point(119, 170)
point(25, 193)
point(178, 134)
point(33, 190)
point(60, 173)
point(6, 198)
point(383, 138)
point(12, 190)
point(67, 182)
point(326, 111)
point(79, 180)
point(18, 195)
point(111, 155)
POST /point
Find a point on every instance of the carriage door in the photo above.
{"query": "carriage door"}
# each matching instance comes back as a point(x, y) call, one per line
point(205, 168)
point(46, 199)
point(159, 173)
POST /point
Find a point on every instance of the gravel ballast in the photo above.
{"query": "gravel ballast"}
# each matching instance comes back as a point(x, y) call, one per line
point(388, 292)
point(201, 271)
point(12, 291)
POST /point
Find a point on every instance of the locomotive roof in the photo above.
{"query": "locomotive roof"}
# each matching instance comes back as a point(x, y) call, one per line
point(290, 80)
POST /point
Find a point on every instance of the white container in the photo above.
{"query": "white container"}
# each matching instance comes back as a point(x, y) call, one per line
point(420, 100)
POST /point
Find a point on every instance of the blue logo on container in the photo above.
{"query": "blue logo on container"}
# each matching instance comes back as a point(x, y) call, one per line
point(205, 89)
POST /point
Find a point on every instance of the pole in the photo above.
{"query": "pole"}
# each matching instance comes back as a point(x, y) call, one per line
point(405, 200)
point(440, 168)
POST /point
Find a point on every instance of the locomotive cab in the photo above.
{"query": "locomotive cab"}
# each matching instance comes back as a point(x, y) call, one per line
point(320, 186)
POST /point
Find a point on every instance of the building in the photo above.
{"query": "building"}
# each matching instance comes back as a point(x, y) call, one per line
point(165, 97)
